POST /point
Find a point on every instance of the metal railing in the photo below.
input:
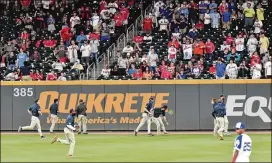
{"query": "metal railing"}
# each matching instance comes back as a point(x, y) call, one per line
point(130, 33)
point(121, 42)
point(138, 24)
point(148, 10)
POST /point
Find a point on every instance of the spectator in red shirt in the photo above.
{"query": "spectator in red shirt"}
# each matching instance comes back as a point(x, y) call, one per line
point(229, 39)
point(49, 43)
point(199, 25)
point(51, 76)
point(25, 35)
point(85, 12)
point(102, 4)
point(255, 57)
point(209, 45)
point(66, 34)
point(174, 42)
point(138, 75)
point(137, 41)
point(119, 20)
point(212, 70)
point(125, 13)
point(25, 3)
point(95, 34)
point(147, 23)
point(36, 76)
point(25, 45)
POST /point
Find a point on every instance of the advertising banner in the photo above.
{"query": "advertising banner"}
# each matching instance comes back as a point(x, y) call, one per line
point(118, 105)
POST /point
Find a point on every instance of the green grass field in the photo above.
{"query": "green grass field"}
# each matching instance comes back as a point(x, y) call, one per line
point(128, 148)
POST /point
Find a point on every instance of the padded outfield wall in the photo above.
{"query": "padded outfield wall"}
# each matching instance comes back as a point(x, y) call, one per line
point(118, 105)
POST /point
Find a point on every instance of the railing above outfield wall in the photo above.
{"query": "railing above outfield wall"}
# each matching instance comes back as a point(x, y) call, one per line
point(117, 105)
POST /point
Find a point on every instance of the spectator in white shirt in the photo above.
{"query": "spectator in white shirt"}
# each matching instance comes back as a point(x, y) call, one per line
point(72, 52)
point(112, 7)
point(148, 38)
point(224, 47)
point(62, 77)
point(74, 19)
point(172, 54)
point(95, 21)
point(256, 70)
point(163, 24)
point(268, 68)
point(58, 66)
point(94, 43)
point(106, 71)
point(232, 70)
point(252, 43)
point(86, 51)
point(12, 76)
point(152, 59)
point(207, 20)
point(240, 46)
point(258, 26)
point(128, 49)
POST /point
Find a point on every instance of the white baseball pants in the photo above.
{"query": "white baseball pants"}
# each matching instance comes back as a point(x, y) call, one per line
point(161, 124)
point(157, 122)
point(82, 123)
point(146, 118)
point(226, 124)
point(69, 139)
point(220, 121)
point(35, 121)
point(54, 119)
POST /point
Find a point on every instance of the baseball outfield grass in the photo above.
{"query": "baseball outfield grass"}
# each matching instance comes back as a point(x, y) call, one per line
point(128, 148)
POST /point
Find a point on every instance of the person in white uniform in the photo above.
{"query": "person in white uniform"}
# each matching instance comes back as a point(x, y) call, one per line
point(242, 145)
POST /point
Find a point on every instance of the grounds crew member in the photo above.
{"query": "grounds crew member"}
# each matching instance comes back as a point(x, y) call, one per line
point(220, 111)
point(158, 113)
point(69, 133)
point(82, 117)
point(54, 109)
point(35, 112)
point(226, 121)
point(215, 129)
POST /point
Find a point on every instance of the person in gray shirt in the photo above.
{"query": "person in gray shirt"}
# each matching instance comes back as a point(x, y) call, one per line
point(82, 116)
point(94, 43)
point(152, 59)
point(123, 65)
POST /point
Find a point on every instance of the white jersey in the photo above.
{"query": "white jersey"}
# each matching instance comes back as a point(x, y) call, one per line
point(187, 51)
point(268, 68)
point(240, 44)
point(232, 69)
point(243, 144)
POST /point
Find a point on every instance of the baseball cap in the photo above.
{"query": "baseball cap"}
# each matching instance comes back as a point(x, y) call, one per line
point(240, 125)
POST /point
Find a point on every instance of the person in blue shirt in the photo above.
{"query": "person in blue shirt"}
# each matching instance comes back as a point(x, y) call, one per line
point(202, 6)
point(132, 70)
point(215, 129)
point(215, 16)
point(21, 58)
point(181, 75)
point(146, 118)
point(232, 5)
point(226, 16)
point(69, 133)
point(220, 112)
point(234, 56)
point(193, 33)
point(220, 69)
point(166, 12)
point(35, 112)
point(53, 114)
point(81, 38)
point(213, 6)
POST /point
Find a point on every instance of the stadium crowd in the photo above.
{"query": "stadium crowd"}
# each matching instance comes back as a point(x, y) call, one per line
point(58, 39)
point(206, 39)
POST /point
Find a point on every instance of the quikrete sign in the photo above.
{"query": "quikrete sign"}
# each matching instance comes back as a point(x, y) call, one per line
point(102, 102)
